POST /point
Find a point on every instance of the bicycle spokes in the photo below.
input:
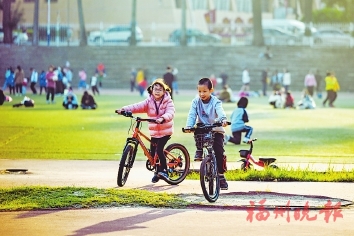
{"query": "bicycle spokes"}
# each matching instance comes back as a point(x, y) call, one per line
point(209, 179)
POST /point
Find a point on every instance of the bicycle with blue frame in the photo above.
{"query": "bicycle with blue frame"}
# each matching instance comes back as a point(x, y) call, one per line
point(208, 173)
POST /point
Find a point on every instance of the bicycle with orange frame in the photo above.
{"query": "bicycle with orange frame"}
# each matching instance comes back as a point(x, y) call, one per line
point(177, 155)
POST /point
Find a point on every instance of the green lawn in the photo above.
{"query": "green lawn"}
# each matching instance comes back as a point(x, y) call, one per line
point(50, 132)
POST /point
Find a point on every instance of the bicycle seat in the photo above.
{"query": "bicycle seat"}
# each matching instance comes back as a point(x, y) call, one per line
point(244, 153)
point(267, 161)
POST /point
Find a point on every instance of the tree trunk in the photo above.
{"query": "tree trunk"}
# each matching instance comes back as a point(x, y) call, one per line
point(308, 16)
point(183, 26)
point(132, 40)
point(6, 19)
point(35, 23)
point(257, 23)
point(83, 37)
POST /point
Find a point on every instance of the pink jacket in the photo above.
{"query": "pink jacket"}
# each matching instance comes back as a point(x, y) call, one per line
point(165, 109)
point(310, 80)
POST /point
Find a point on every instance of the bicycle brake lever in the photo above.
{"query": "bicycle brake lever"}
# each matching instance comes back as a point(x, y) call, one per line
point(186, 130)
point(127, 113)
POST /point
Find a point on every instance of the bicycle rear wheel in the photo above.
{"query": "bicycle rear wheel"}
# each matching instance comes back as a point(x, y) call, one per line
point(178, 162)
point(245, 167)
point(209, 179)
point(126, 163)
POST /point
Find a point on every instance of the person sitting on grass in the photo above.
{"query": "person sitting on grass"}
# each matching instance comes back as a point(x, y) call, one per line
point(306, 102)
point(70, 100)
point(277, 99)
point(87, 101)
point(238, 119)
point(27, 102)
point(226, 94)
point(289, 100)
point(4, 98)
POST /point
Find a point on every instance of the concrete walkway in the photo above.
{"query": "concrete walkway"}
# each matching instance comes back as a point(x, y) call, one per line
point(230, 215)
point(103, 174)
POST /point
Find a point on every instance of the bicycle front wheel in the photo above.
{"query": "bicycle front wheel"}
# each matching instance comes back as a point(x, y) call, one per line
point(126, 163)
point(178, 162)
point(209, 179)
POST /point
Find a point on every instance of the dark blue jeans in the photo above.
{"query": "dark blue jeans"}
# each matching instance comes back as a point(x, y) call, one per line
point(236, 135)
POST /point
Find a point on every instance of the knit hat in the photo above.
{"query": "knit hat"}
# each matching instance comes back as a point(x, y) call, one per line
point(161, 82)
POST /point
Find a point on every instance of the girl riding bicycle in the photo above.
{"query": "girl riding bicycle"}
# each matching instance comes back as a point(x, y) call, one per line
point(206, 109)
point(158, 105)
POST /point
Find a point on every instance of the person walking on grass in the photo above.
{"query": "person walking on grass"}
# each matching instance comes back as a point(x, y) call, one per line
point(42, 82)
point(168, 77)
point(246, 79)
point(310, 83)
point(19, 77)
point(51, 78)
point(33, 80)
point(332, 87)
point(94, 83)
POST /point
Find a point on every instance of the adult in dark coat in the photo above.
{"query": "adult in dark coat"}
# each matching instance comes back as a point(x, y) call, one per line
point(87, 101)
point(168, 77)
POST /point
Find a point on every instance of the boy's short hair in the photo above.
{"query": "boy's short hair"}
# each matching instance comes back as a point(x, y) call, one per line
point(243, 102)
point(207, 82)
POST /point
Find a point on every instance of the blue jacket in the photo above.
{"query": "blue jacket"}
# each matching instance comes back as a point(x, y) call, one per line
point(10, 79)
point(206, 113)
point(238, 119)
point(42, 80)
point(73, 101)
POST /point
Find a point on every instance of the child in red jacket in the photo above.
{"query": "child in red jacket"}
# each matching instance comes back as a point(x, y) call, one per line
point(289, 100)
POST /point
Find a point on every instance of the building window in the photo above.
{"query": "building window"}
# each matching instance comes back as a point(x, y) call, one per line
point(199, 4)
point(244, 6)
point(223, 5)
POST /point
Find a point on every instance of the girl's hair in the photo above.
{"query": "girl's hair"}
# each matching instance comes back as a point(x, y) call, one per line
point(243, 102)
point(207, 82)
point(160, 82)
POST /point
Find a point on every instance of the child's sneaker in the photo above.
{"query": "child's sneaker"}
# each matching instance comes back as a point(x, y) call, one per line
point(223, 183)
point(163, 175)
point(155, 179)
point(226, 139)
point(198, 155)
point(246, 140)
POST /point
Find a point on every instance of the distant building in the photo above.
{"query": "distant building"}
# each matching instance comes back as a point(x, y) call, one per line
point(156, 18)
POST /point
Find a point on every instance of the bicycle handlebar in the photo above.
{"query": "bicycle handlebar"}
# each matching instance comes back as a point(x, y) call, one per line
point(130, 115)
point(203, 127)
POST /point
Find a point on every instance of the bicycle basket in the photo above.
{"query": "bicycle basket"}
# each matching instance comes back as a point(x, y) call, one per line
point(244, 153)
point(204, 140)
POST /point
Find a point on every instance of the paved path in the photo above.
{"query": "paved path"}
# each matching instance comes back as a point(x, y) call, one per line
point(230, 215)
point(103, 174)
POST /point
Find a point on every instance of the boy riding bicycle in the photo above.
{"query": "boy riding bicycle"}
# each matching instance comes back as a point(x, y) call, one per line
point(205, 109)
point(158, 105)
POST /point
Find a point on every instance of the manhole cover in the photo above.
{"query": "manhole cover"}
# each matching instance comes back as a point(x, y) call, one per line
point(21, 171)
